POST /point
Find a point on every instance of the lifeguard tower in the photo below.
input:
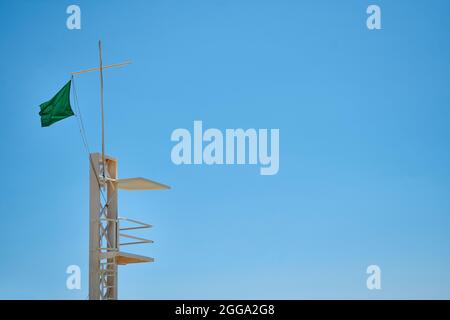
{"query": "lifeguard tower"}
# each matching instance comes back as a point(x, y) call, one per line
point(107, 230)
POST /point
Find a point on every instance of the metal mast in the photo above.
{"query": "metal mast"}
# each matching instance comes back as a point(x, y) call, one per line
point(101, 103)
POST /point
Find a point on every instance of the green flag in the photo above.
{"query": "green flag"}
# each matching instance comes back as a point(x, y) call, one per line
point(57, 108)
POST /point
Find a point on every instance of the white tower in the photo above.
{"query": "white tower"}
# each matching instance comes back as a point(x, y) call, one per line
point(105, 231)
point(106, 228)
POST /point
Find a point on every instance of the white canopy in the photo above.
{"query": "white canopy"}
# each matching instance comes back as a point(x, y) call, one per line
point(140, 184)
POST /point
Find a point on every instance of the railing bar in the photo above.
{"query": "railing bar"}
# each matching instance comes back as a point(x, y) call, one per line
point(137, 242)
point(135, 221)
point(131, 237)
point(134, 228)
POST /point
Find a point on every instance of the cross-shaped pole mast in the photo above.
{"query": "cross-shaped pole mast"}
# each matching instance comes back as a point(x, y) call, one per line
point(101, 68)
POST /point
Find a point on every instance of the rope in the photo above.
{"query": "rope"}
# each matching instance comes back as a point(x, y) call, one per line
point(84, 139)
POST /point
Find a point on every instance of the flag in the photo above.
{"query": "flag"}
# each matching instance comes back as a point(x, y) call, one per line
point(58, 108)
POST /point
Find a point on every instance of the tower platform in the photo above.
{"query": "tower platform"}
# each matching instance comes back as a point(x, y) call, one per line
point(124, 258)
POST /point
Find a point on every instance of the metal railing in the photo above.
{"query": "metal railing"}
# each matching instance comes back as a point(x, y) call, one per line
point(135, 226)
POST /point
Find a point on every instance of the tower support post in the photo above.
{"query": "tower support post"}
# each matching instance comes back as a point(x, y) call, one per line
point(112, 233)
point(103, 228)
point(94, 224)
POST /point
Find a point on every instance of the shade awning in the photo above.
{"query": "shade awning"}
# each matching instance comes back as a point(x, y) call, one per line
point(123, 258)
point(140, 184)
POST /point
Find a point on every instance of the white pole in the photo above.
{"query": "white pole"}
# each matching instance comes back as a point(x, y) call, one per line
point(101, 101)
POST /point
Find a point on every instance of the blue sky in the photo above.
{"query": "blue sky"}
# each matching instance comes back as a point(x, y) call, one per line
point(364, 146)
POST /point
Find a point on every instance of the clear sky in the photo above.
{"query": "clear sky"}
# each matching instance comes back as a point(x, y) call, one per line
point(364, 146)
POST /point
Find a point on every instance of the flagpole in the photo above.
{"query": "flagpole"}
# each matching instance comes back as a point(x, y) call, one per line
point(101, 102)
